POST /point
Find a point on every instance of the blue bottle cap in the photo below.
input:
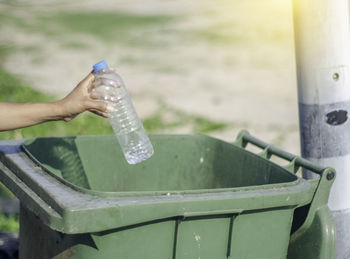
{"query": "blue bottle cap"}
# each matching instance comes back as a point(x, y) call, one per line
point(100, 65)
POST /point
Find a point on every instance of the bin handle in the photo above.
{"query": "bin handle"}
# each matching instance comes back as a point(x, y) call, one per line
point(318, 207)
point(268, 150)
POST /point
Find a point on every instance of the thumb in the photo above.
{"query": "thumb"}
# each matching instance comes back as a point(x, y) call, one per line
point(87, 81)
point(89, 77)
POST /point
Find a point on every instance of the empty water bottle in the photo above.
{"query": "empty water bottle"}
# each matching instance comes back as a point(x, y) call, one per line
point(128, 128)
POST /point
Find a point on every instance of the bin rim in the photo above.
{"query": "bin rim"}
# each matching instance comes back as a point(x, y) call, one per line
point(273, 186)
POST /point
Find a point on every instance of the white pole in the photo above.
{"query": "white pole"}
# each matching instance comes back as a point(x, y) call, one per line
point(322, 47)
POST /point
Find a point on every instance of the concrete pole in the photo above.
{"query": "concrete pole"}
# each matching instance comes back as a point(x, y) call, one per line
point(322, 46)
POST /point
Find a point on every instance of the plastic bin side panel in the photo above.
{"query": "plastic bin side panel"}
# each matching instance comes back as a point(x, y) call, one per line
point(154, 240)
point(203, 237)
point(263, 235)
point(149, 241)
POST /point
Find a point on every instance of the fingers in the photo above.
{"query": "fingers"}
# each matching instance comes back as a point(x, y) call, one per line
point(102, 114)
point(104, 97)
point(69, 118)
point(96, 96)
point(98, 106)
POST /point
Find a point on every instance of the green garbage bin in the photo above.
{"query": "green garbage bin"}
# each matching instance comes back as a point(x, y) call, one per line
point(197, 198)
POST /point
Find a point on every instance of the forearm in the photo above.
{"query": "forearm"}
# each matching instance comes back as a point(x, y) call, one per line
point(18, 115)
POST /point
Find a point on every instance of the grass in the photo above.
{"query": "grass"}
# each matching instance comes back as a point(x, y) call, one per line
point(4, 192)
point(203, 125)
point(9, 223)
point(252, 23)
point(74, 45)
point(156, 123)
point(9, 19)
point(168, 118)
point(113, 27)
point(12, 89)
point(131, 29)
point(226, 35)
point(5, 50)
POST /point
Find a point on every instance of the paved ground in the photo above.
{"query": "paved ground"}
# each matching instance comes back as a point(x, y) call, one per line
point(225, 61)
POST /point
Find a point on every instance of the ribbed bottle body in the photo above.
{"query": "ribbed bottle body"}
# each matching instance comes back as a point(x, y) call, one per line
point(124, 120)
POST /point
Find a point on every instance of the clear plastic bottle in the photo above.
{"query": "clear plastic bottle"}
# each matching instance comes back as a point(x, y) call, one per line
point(124, 120)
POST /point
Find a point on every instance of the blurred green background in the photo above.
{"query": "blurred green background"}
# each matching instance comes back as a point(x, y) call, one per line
point(210, 67)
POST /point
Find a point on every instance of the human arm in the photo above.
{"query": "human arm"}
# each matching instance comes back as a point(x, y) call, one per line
point(19, 115)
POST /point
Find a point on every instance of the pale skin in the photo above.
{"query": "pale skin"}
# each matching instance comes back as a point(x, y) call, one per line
point(20, 115)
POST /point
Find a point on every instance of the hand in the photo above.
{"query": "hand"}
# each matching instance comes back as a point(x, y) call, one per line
point(81, 99)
